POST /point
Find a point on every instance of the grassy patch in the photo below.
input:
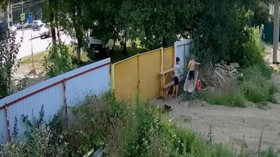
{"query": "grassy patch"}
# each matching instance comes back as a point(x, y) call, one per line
point(40, 56)
point(257, 92)
point(230, 95)
point(232, 99)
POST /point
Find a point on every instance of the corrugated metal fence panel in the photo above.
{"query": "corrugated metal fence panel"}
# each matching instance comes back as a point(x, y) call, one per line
point(95, 82)
point(94, 78)
point(29, 102)
point(51, 99)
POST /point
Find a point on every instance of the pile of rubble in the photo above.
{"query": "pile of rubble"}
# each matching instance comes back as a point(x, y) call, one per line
point(224, 72)
point(218, 74)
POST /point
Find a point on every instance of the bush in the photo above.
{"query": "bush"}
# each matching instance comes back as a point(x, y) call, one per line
point(256, 86)
point(59, 61)
point(263, 91)
point(258, 70)
point(253, 49)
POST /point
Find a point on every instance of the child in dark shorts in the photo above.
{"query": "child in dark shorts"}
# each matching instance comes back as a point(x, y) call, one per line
point(176, 72)
point(191, 67)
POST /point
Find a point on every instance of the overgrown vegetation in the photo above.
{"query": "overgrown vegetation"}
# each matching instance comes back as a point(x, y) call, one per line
point(256, 86)
point(125, 128)
point(59, 61)
point(8, 63)
point(254, 83)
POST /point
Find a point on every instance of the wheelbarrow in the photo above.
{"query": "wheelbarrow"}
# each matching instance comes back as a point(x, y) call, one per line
point(189, 88)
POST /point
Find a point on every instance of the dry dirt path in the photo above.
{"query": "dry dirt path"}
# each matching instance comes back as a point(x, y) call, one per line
point(230, 123)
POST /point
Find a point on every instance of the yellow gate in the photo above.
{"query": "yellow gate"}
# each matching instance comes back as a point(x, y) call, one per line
point(141, 73)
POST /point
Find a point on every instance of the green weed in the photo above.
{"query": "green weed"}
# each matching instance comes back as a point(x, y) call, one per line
point(232, 99)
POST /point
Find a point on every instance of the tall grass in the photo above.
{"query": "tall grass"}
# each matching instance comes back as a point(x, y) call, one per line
point(256, 86)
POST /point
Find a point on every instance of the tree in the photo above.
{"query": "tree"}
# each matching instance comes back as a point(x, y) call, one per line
point(221, 31)
point(260, 9)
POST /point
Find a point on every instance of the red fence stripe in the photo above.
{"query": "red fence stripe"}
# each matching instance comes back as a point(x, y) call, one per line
point(52, 85)
point(7, 123)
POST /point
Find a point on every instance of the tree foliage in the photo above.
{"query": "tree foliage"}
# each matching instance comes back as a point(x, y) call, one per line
point(224, 33)
point(221, 31)
point(219, 28)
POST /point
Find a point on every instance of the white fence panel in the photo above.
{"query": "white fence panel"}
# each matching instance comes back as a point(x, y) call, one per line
point(182, 50)
point(90, 79)
point(96, 82)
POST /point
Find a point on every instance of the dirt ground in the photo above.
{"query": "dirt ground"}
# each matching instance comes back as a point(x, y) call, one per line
point(229, 124)
point(31, 76)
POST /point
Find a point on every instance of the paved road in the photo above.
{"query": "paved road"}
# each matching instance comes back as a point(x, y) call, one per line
point(38, 44)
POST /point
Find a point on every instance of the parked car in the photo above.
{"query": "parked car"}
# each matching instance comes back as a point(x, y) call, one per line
point(37, 24)
point(45, 31)
point(17, 25)
point(27, 25)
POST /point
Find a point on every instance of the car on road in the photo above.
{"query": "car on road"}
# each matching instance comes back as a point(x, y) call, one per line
point(27, 25)
point(37, 24)
point(45, 31)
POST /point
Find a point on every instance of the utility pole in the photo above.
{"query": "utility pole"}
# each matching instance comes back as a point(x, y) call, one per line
point(22, 21)
point(276, 31)
point(12, 17)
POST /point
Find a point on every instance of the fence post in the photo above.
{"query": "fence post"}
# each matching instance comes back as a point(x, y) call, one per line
point(138, 75)
point(113, 78)
point(7, 123)
point(64, 97)
point(161, 59)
